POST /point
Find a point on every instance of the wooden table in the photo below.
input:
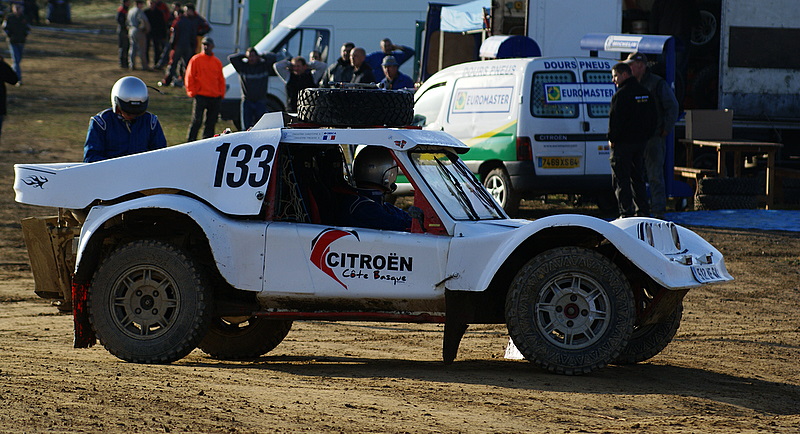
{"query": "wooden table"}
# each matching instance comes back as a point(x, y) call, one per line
point(738, 148)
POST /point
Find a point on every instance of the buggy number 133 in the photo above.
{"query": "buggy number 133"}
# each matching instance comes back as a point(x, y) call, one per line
point(243, 157)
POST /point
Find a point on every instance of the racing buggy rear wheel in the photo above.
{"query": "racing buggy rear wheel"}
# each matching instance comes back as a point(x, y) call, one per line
point(149, 303)
point(570, 310)
point(649, 340)
point(233, 338)
point(355, 107)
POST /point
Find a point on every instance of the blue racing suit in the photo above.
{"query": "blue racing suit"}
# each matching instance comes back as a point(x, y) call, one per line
point(111, 136)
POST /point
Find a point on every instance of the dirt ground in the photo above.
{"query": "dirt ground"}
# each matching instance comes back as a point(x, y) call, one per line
point(733, 366)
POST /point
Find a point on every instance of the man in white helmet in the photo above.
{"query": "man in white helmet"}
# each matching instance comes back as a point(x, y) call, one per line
point(127, 127)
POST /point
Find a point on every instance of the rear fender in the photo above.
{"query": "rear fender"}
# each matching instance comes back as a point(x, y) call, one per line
point(647, 243)
point(237, 246)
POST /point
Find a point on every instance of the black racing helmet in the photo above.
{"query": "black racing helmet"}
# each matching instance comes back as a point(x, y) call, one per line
point(375, 167)
point(130, 95)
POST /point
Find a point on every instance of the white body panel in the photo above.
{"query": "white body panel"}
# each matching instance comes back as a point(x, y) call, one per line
point(485, 246)
point(237, 246)
point(350, 263)
point(198, 168)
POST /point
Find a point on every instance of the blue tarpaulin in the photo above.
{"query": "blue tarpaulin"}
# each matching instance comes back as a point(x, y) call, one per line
point(464, 18)
point(767, 220)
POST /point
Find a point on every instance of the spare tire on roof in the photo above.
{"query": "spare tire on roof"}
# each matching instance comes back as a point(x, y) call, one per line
point(355, 107)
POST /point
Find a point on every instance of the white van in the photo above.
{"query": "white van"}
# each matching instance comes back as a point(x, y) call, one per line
point(534, 125)
point(321, 25)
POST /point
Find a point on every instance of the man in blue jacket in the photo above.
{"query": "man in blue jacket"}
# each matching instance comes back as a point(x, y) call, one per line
point(126, 128)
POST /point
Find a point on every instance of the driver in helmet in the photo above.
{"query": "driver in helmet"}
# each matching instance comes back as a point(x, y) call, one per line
point(126, 128)
point(374, 171)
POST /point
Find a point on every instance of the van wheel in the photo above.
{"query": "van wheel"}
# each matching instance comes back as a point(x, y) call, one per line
point(498, 183)
point(570, 310)
point(355, 107)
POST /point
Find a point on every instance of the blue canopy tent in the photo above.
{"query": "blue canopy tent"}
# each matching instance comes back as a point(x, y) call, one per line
point(648, 44)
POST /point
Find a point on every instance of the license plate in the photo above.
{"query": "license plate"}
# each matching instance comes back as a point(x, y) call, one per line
point(707, 273)
point(559, 162)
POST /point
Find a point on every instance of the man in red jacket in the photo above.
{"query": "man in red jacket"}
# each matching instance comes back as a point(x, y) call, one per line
point(205, 83)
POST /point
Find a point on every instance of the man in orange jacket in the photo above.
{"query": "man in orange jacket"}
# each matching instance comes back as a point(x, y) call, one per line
point(205, 83)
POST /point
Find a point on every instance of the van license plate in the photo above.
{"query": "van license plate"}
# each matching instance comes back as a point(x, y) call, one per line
point(559, 162)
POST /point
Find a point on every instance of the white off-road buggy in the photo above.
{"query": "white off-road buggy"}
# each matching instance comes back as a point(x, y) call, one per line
point(221, 243)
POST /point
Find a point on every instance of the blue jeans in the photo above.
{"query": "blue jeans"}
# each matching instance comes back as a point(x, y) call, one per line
point(16, 56)
point(251, 111)
point(654, 154)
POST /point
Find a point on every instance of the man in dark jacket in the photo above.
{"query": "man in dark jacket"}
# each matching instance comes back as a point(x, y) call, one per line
point(122, 33)
point(17, 29)
point(342, 70)
point(362, 72)
point(655, 150)
point(631, 121)
point(254, 71)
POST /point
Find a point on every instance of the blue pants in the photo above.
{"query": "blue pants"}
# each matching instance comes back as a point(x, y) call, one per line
point(16, 56)
point(251, 111)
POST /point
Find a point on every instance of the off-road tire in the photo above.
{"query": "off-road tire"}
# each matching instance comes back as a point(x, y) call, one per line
point(231, 339)
point(355, 107)
point(710, 202)
point(730, 186)
point(498, 183)
point(149, 303)
point(570, 310)
point(649, 340)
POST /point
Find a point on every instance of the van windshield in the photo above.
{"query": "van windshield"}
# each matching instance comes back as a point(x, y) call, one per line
point(455, 187)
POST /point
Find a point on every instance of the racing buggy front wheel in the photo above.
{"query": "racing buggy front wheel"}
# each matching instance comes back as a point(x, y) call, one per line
point(149, 303)
point(234, 338)
point(570, 310)
point(355, 107)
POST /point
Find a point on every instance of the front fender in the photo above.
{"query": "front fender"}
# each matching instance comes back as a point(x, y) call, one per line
point(480, 251)
point(237, 246)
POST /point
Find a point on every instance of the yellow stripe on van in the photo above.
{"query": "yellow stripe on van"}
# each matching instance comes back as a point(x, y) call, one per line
point(503, 130)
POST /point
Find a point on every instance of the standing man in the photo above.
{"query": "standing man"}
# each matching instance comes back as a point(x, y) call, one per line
point(158, 30)
point(127, 127)
point(254, 73)
point(656, 147)
point(122, 33)
point(401, 53)
point(138, 28)
point(206, 84)
point(631, 122)
point(394, 79)
point(185, 31)
point(362, 72)
point(342, 70)
point(17, 29)
point(7, 75)
point(299, 78)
